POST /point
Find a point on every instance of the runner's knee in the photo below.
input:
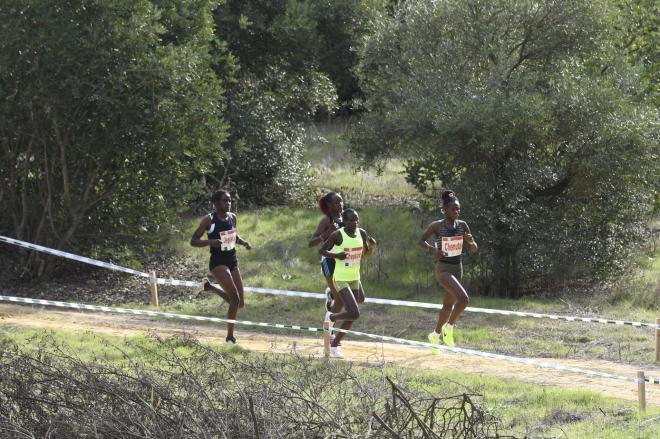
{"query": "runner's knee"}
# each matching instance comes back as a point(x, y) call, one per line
point(463, 300)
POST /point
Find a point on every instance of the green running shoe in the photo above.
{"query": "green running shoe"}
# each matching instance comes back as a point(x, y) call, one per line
point(448, 334)
point(434, 339)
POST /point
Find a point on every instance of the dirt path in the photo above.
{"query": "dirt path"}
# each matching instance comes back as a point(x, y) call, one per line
point(355, 350)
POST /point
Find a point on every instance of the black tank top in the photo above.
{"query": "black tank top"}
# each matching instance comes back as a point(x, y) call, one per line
point(225, 230)
point(451, 240)
point(338, 222)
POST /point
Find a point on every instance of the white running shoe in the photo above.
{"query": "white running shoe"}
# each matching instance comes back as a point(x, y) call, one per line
point(230, 341)
point(329, 300)
point(327, 319)
point(335, 352)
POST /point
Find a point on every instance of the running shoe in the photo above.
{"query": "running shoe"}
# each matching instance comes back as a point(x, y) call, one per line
point(448, 334)
point(327, 319)
point(335, 352)
point(230, 340)
point(329, 300)
point(434, 339)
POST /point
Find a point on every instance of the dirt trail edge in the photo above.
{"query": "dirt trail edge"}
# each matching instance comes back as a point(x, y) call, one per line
point(355, 350)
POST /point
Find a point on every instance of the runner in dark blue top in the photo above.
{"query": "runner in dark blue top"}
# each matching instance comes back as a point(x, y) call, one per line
point(332, 206)
point(449, 234)
point(220, 227)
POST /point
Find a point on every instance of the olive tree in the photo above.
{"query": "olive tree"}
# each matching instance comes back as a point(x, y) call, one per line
point(531, 113)
point(109, 112)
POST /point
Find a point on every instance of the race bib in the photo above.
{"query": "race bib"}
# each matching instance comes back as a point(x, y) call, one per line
point(452, 245)
point(228, 239)
point(353, 256)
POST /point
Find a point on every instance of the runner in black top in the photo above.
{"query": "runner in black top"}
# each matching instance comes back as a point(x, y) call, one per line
point(332, 206)
point(220, 227)
point(449, 234)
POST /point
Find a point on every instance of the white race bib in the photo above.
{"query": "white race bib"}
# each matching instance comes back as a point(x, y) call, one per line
point(353, 256)
point(228, 239)
point(452, 245)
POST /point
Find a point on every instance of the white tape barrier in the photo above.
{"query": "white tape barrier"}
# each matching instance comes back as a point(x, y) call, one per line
point(194, 284)
point(66, 255)
point(421, 344)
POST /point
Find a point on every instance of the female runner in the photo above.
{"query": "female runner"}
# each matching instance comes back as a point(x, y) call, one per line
point(220, 227)
point(348, 244)
point(449, 234)
point(332, 205)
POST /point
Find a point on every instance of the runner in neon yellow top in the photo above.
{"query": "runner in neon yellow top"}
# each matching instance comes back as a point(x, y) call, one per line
point(349, 244)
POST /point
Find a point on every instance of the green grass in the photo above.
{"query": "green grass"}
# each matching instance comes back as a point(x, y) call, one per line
point(281, 259)
point(333, 168)
point(525, 409)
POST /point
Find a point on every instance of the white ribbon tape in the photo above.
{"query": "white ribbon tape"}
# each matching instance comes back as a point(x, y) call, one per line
point(71, 256)
point(193, 284)
point(426, 345)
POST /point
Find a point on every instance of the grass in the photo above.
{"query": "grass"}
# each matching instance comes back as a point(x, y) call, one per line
point(333, 168)
point(281, 259)
point(524, 408)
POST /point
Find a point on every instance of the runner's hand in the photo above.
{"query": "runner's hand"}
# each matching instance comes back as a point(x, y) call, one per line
point(247, 245)
point(439, 253)
point(341, 256)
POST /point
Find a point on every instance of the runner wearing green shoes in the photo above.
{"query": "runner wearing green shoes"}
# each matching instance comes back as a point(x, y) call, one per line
point(449, 234)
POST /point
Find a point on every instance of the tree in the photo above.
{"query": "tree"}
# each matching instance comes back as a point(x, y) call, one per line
point(109, 111)
point(509, 103)
point(295, 59)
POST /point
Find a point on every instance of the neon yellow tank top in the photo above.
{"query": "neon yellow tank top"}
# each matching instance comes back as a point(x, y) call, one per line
point(349, 269)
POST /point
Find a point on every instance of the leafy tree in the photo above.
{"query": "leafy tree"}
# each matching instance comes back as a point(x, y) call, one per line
point(638, 22)
point(295, 59)
point(109, 111)
point(278, 86)
point(509, 103)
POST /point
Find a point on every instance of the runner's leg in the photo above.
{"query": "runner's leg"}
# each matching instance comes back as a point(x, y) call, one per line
point(224, 278)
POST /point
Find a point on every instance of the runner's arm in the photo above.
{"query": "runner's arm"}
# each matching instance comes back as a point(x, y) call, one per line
point(423, 241)
point(333, 239)
point(321, 233)
point(467, 236)
point(196, 240)
point(239, 240)
point(369, 243)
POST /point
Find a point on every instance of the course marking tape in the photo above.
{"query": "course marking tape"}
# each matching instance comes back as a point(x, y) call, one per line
point(193, 284)
point(469, 308)
point(71, 256)
point(426, 345)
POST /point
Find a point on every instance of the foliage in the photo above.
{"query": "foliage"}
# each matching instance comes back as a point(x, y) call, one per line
point(294, 56)
point(509, 103)
point(106, 111)
point(638, 22)
point(180, 388)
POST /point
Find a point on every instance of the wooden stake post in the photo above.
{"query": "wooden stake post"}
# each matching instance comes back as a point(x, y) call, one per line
point(153, 286)
point(641, 390)
point(326, 339)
